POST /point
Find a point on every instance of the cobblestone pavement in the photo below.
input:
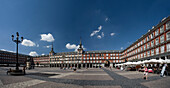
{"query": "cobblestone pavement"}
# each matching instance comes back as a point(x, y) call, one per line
point(82, 78)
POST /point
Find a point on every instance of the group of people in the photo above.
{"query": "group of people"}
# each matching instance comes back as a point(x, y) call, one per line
point(162, 74)
point(72, 68)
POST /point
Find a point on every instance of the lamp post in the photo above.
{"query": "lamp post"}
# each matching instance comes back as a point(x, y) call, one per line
point(17, 41)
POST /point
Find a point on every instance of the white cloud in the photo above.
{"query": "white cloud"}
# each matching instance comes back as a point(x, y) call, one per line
point(96, 31)
point(112, 34)
point(68, 46)
point(47, 37)
point(121, 48)
point(47, 46)
point(99, 36)
point(106, 19)
point(38, 45)
point(102, 34)
point(33, 53)
point(73, 46)
point(42, 54)
point(26, 42)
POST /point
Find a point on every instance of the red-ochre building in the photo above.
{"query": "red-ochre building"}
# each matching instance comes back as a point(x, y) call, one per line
point(9, 58)
point(155, 44)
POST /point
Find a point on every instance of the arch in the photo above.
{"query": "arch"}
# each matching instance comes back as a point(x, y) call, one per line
point(107, 63)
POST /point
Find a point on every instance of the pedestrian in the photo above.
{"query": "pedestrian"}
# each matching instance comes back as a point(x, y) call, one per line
point(145, 73)
point(74, 68)
point(163, 70)
point(110, 68)
point(121, 68)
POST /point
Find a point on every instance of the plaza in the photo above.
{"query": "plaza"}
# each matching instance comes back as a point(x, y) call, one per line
point(84, 44)
point(82, 78)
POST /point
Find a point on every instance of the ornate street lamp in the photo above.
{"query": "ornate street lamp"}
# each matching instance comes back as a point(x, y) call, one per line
point(17, 41)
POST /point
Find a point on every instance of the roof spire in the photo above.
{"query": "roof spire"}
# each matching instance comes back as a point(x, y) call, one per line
point(52, 47)
point(52, 51)
point(80, 43)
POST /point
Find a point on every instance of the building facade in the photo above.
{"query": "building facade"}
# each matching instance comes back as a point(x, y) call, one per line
point(9, 58)
point(155, 44)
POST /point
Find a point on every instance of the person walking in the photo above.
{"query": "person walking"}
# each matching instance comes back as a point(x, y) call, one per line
point(110, 68)
point(145, 73)
point(163, 70)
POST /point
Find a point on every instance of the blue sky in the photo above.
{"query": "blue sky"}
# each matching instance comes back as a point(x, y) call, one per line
point(102, 24)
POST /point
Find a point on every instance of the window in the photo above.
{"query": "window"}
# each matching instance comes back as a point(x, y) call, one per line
point(97, 58)
point(144, 40)
point(141, 42)
point(152, 52)
point(162, 38)
point(168, 47)
point(157, 50)
point(93, 55)
point(156, 32)
point(162, 29)
point(168, 35)
point(162, 49)
point(152, 43)
point(152, 35)
point(90, 55)
point(141, 55)
point(168, 25)
point(141, 48)
point(97, 55)
point(148, 45)
point(148, 53)
point(148, 38)
point(157, 41)
point(144, 47)
point(138, 44)
point(144, 54)
point(106, 54)
point(138, 49)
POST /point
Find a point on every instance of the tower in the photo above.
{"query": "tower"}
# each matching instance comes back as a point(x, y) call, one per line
point(52, 51)
point(80, 49)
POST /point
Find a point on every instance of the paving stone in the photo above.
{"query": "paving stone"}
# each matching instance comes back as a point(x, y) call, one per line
point(82, 78)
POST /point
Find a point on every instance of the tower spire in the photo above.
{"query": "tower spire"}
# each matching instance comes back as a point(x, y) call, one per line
point(80, 43)
point(52, 51)
point(52, 47)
